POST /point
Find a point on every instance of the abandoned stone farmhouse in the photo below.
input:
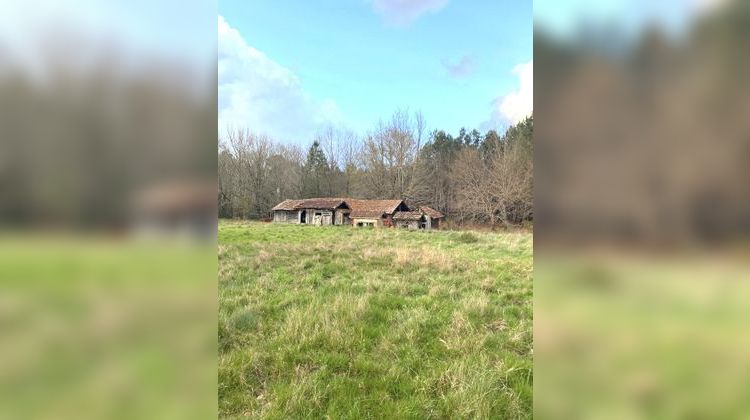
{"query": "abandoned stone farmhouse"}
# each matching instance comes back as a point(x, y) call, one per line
point(357, 213)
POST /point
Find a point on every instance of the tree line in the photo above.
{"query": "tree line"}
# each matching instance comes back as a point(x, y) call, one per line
point(471, 177)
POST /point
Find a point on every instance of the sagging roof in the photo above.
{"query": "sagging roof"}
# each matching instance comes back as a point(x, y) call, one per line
point(362, 208)
point(287, 205)
point(373, 206)
point(359, 214)
point(407, 215)
point(431, 212)
point(311, 203)
point(321, 203)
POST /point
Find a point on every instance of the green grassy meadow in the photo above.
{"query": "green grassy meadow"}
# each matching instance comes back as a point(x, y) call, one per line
point(336, 322)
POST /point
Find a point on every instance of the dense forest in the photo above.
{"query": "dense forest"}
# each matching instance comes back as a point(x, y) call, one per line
point(471, 177)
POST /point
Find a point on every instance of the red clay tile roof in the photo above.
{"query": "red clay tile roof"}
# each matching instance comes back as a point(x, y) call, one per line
point(431, 212)
point(407, 215)
point(358, 214)
point(382, 206)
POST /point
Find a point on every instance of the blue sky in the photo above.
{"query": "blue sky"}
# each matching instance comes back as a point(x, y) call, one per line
point(288, 68)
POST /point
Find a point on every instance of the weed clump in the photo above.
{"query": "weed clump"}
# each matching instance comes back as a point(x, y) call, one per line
point(243, 321)
point(468, 238)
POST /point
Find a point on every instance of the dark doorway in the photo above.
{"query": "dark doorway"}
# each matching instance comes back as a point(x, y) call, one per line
point(303, 217)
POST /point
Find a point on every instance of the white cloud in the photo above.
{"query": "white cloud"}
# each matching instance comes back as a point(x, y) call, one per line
point(518, 104)
point(404, 12)
point(257, 93)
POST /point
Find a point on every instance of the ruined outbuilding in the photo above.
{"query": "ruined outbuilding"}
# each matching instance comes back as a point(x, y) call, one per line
point(313, 211)
point(356, 212)
point(433, 218)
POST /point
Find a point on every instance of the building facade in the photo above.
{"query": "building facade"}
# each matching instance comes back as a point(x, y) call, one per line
point(319, 211)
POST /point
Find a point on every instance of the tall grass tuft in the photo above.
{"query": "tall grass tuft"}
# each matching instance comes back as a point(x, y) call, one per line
point(467, 238)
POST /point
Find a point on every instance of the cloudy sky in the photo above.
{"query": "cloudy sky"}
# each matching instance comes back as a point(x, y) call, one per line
point(288, 68)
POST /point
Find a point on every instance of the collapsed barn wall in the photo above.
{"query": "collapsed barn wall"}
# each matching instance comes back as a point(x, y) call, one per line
point(285, 216)
point(407, 224)
point(366, 222)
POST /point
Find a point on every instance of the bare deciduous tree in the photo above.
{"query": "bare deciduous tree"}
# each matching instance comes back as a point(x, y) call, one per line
point(255, 173)
point(388, 156)
point(419, 125)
